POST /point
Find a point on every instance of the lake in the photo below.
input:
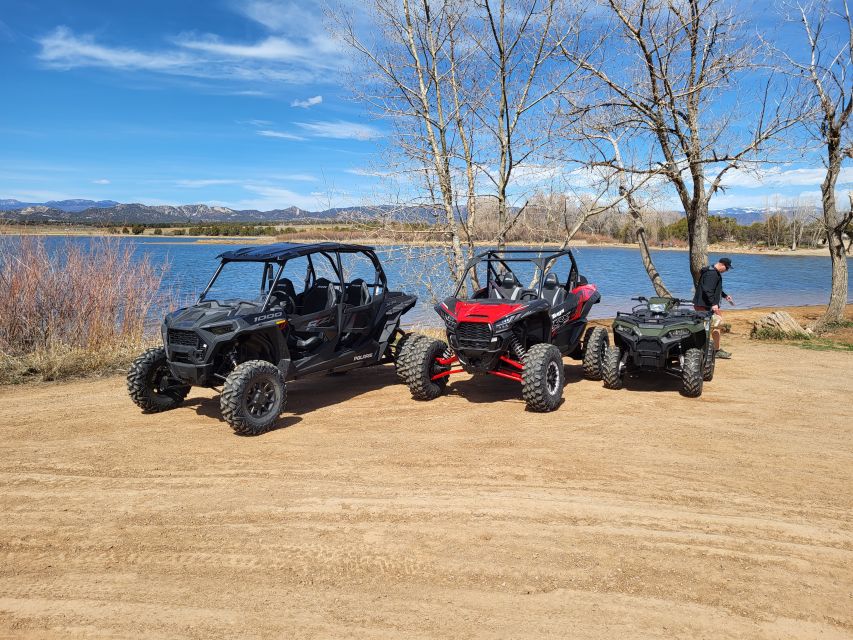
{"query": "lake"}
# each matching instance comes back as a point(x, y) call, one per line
point(755, 280)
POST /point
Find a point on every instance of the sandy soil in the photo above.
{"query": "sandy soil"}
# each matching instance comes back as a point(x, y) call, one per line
point(635, 513)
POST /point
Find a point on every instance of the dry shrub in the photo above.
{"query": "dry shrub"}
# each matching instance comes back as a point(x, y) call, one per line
point(74, 309)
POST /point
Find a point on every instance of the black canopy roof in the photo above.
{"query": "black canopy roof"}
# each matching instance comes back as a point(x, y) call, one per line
point(282, 251)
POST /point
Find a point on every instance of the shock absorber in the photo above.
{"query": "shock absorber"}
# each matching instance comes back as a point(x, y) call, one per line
point(517, 347)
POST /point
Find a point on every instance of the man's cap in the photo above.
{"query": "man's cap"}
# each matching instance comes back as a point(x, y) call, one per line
point(727, 262)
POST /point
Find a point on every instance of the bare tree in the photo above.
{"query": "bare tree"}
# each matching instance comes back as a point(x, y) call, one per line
point(469, 88)
point(626, 180)
point(414, 80)
point(519, 43)
point(801, 214)
point(673, 67)
point(827, 68)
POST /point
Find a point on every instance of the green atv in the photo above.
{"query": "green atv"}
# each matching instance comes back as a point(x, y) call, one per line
point(661, 334)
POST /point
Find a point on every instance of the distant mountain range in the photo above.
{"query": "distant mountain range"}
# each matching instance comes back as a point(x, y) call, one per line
point(111, 212)
point(70, 206)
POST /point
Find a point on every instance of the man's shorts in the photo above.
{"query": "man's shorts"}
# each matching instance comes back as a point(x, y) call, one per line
point(716, 319)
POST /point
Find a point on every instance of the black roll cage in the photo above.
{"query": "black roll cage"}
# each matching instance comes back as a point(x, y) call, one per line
point(542, 262)
point(267, 279)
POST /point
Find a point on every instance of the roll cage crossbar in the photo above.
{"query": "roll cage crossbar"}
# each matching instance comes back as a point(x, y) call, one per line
point(279, 254)
point(493, 257)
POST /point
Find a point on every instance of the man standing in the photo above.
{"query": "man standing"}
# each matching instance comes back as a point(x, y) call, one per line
point(709, 291)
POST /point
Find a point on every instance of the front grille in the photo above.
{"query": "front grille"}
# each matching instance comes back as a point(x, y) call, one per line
point(647, 345)
point(183, 338)
point(474, 335)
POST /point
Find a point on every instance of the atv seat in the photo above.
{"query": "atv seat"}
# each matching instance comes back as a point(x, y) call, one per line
point(357, 294)
point(319, 297)
point(508, 286)
point(552, 291)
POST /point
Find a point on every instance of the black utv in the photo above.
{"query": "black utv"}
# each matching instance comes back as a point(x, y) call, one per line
point(271, 314)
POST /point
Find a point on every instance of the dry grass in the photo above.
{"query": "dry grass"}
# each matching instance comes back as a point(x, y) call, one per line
point(73, 310)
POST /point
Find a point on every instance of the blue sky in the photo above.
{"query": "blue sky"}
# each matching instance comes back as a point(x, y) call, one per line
point(244, 104)
point(239, 103)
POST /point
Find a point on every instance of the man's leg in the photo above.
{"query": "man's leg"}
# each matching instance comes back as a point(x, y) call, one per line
point(716, 322)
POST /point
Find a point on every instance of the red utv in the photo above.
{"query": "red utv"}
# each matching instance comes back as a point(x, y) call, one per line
point(515, 314)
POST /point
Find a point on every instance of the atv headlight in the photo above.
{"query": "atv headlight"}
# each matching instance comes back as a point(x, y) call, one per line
point(626, 330)
point(678, 333)
point(220, 329)
point(448, 318)
point(505, 323)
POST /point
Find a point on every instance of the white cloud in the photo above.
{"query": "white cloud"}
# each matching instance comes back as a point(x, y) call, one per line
point(308, 56)
point(340, 129)
point(61, 48)
point(272, 48)
point(271, 14)
point(267, 133)
point(101, 181)
point(368, 173)
point(298, 177)
point(305, 104)
point(778, 177)
point(278, 198)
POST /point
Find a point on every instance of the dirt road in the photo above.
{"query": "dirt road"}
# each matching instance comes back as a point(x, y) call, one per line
point(635, 513)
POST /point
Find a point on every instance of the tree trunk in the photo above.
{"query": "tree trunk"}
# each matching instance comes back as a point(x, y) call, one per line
point(654, 276)
point(834, 234)
point(697, 225)
point(838, 293)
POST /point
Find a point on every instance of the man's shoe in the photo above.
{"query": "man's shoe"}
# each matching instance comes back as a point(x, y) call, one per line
point(722, 353)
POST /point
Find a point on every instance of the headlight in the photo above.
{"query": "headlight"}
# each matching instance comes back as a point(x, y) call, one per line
point(220, 329)
point(505, 323)
point(623, 329)
point(678, 333)
point(448, 318)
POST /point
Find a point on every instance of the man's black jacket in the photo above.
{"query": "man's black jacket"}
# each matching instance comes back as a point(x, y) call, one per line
point(709, 289)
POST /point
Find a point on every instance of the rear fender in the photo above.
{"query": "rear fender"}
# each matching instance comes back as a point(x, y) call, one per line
point(588, 295)
point(388, 330)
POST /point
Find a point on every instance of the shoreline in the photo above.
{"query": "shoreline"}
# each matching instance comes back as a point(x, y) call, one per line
point(739, 315)
point(381, 242)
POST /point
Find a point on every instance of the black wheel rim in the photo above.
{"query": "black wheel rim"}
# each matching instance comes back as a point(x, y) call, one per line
point(552, 377)
point(259, 398)
point(159, 381)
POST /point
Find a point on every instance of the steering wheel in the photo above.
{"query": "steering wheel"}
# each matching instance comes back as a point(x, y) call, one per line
point(283, 300)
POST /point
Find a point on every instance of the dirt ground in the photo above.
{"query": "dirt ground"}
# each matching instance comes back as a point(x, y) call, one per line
point(625, 514)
